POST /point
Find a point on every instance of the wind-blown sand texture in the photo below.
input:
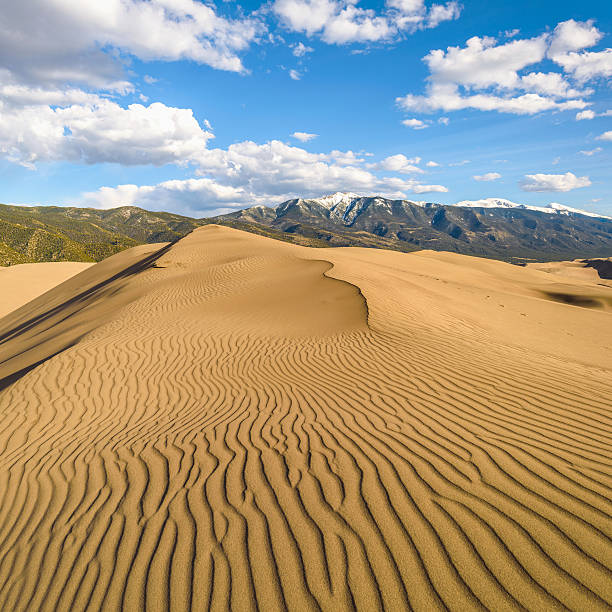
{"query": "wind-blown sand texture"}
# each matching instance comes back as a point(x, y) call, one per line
point(24, 282)
point(231, 422)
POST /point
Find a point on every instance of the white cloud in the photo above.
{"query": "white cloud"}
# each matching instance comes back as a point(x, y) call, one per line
point(339, 22)
point(346, 158)
point(605, 136)
point(277, 168)
point(442, 12)
point(432, 164)
point(58, 41)
point(415, 124)
point(190, 196)
point(448, 98)
point(571, 36)
point(100, 131)
point(149, 80)
point(568, 41)
point(489, 176)
point(444, 120)
point(586, 114)
point(588, 65)
point(592, 152)
point(301, 49)
point(399, 163)
point(248, 173)
point(554, 182)
point(304, 136)
point(551, 84)
point(482, 63)
point(342, 21)
point(491, 76)
point(295, 75)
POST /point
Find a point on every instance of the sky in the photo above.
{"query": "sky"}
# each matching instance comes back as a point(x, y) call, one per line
point(203, 108)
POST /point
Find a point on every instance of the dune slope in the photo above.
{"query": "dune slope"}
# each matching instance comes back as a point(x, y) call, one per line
point(231, 422)
point(22, 283)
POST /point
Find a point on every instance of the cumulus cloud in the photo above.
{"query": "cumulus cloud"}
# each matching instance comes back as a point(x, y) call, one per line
point(568, 41)
point(489, 176)
point(100, 131)
point(295, 75)
point(571, 36)
point(605, 136)
point(554, 182)
point(399, 163)
point(62, 72)
point(448, 98)
point(248, 173)
point(342, 21)
point(193, 197)
point(442, 12)
point(44, 41)
point(277, 168)
point(304, 136)
point(415, 124)
point(432, 164)
point(491, 76)
point(586, 114)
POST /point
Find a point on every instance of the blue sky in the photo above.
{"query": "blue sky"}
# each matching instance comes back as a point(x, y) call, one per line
point(204, 108)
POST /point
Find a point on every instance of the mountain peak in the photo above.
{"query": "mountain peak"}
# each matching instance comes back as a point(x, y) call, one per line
point(340, 197)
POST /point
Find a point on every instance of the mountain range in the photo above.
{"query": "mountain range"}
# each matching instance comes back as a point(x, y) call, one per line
point(490, 228)
point(494, 228)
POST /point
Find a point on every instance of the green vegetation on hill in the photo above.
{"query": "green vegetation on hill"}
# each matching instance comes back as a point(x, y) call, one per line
point(54, 233)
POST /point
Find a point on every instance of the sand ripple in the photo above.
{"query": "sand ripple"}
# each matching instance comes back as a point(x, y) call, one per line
point(236, 423)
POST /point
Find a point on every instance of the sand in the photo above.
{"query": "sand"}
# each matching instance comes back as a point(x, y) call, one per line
point(576, 270)
point(231, 422)
point(22, 283)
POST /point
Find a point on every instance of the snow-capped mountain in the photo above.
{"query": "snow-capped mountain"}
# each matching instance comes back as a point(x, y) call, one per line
point(347, 205)
point(553, 208)
point(335, 199)
point(492, 227)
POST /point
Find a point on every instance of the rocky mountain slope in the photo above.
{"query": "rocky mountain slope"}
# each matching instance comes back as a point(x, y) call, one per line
point(491, 228)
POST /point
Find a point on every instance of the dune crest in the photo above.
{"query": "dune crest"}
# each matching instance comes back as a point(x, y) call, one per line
point(231, 422)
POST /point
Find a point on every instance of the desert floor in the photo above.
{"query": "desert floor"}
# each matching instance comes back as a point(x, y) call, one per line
point(22, 283)
point(232, 422)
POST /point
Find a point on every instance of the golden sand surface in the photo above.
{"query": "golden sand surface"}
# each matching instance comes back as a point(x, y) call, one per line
point(576, 269)
point(235, 423)
point(22, 283)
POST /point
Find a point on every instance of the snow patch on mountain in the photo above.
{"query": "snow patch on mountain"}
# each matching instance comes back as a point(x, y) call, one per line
point(552, 209)
point(340, 197)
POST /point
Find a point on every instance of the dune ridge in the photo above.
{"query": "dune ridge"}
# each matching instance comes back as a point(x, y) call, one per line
point(246, 424)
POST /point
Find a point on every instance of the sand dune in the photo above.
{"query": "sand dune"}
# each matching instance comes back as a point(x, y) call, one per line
point(22, 283)
point(576, 270)
point(231, 422)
